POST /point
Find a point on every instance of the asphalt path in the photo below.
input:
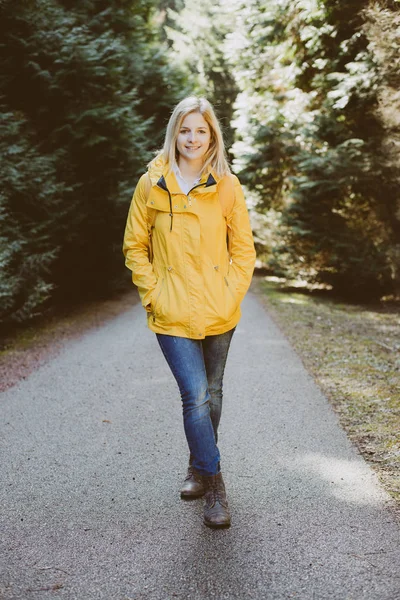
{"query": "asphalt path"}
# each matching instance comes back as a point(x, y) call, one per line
point(93, 454)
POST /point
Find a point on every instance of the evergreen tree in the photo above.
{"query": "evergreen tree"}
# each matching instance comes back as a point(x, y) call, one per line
point(80, 123)
point(382, 28)
point(311, 145)
point(197, 35)
point(29, 195)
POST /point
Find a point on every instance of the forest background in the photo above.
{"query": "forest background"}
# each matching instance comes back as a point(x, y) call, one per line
point(308, 95)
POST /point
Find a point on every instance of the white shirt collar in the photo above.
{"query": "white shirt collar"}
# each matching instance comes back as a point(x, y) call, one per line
point(177, 172)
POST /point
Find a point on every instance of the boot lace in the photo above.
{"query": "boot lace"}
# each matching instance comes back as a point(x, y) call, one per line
point(191, 474)
point(217, 492)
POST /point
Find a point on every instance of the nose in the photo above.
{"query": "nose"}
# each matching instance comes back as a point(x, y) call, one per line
point(192, 136)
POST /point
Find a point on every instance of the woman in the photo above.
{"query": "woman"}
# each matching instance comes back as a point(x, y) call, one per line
point(189, 245)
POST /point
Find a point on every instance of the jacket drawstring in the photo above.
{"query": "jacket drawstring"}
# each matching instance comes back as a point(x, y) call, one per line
point(162, 184)
point(171, 214)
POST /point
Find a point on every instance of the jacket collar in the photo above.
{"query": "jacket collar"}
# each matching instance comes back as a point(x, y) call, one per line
point(160, 177)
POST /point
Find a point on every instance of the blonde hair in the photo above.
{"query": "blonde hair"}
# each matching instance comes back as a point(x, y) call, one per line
point(215, 157)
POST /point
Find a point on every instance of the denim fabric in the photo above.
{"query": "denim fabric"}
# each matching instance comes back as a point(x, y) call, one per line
point(198, 367)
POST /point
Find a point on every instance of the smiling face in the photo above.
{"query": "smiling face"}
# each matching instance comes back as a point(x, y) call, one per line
point(194, 138)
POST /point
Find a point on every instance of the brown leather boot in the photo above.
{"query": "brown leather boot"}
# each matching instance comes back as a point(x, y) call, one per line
point(192, 486)
point(216, 510)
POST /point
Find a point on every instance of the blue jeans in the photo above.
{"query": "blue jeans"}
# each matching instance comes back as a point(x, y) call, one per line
point(198, 367)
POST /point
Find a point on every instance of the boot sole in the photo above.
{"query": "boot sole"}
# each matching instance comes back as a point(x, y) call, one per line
point(217, 525)
point(186, 496)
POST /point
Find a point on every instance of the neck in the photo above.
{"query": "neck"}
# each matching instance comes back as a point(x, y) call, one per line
point(190, 169)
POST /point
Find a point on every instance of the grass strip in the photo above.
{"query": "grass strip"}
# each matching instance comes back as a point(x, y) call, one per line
point(353, 353)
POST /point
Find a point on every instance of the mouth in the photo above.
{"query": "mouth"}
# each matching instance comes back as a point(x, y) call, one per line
point(192, 147)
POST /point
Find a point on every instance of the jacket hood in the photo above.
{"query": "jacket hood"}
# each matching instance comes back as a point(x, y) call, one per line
point(156, 169)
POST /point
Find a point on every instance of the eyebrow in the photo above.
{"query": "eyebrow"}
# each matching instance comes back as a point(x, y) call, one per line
point(201, 127)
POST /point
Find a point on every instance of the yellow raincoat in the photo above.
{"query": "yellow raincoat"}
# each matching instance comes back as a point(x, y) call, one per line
point(191, 289)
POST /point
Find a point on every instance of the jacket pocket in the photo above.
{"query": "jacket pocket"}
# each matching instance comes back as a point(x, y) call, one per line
point(157, 293)
point(230, 288)
point(231, 298)
point(222, 296)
